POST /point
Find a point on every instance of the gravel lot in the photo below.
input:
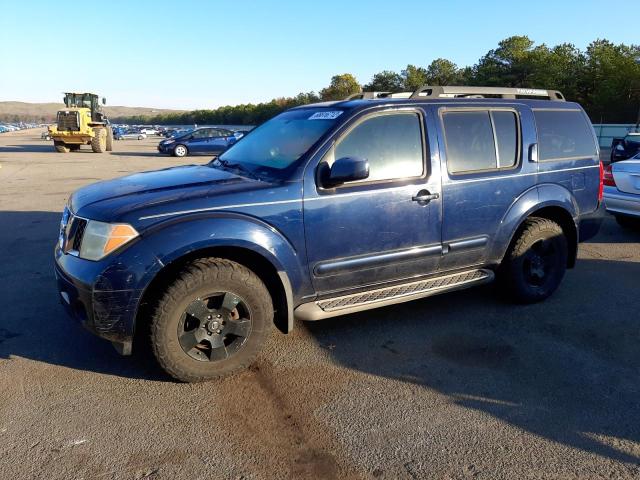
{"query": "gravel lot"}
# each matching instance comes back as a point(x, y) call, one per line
point(458, 386)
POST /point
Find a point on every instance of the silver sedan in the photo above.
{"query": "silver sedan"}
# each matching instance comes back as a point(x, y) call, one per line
point(622, 191)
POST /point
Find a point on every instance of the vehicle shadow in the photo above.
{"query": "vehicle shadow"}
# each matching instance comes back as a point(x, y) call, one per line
point(27, 148)
point(135, 154)
point(611, 232)
point(34, 324)
point(567, 369)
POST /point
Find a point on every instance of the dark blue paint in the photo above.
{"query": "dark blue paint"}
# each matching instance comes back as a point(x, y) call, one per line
point(322, 241)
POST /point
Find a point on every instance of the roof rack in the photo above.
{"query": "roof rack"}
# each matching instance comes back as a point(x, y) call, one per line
point(375, 95)
point(436, 91)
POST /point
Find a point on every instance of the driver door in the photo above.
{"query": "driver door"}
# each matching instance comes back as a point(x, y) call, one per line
point(375, 230)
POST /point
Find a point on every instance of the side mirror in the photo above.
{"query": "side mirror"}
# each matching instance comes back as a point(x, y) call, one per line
point(347, 169)
point(104, 101)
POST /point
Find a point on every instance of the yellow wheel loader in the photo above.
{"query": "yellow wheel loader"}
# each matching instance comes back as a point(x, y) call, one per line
point(82, 122)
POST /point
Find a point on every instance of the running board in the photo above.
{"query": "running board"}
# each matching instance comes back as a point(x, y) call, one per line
point(380, 297)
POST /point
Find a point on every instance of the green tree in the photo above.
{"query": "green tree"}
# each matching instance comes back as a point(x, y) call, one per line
point(341, 86)
point(413, 77)
point(443, 72)
point(385, 81)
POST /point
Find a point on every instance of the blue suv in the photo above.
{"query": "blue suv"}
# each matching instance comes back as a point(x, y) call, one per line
point(199, 141)
point(329, 209)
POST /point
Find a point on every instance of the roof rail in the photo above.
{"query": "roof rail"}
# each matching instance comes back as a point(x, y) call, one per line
point(437, 91)
point(367, 95)
point(480, 92)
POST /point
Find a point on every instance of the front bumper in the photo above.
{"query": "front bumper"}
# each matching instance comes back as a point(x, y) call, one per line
point(92, 297)
point(166, 148)
point(589, 224)
point(620, 203)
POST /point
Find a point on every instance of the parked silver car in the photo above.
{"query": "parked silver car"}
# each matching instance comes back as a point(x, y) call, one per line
point(622, 191)
point(130, 134)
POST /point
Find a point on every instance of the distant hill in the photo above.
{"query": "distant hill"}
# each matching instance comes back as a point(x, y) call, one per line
point(46, 112)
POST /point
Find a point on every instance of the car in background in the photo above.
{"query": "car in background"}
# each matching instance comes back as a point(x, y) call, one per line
point(150, 130)
point(46, 135)
point(622, 191)
point(3, 129)
point(625, 147)
point(205, 140)
point(130, 134)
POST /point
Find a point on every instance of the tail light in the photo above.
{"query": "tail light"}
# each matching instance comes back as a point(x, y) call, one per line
point(607, 178)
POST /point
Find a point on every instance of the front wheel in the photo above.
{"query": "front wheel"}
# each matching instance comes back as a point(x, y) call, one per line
point(60, 147)
point(536, 261)
point(99, 141)
point(212, 321)
point(180, 151)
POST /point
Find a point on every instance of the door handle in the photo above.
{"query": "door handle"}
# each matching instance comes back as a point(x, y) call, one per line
point(424, 197)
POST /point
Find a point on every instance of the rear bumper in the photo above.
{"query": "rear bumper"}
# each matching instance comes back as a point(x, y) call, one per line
point(589, 224)
point(620, 203)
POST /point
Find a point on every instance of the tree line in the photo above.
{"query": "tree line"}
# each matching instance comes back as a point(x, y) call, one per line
point(604, 79)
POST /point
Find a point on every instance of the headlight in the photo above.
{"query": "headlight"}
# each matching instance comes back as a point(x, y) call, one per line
point(167, 142)
point(100, 239)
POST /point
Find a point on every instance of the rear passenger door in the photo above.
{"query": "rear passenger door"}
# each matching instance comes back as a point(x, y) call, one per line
point(485, 168)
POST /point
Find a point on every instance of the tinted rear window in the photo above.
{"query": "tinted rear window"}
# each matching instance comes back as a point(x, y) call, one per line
point(564, 134)
point(506, 128)
point(469, 139)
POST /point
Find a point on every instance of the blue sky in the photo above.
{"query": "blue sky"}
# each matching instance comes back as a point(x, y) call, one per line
point(203, 54)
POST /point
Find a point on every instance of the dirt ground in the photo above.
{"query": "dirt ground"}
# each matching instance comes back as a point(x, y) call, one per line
point(460, 386)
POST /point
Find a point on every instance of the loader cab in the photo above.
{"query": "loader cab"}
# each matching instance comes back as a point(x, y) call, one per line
point(90, 101)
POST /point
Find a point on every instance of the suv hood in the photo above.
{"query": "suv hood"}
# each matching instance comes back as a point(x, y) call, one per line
point(112, 200)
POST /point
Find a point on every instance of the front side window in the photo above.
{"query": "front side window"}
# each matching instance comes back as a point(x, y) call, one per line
point(564, 134)
point(392, 143)
point(479, 140)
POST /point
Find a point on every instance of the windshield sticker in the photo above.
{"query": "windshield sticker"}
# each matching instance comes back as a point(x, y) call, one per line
point(325, 115)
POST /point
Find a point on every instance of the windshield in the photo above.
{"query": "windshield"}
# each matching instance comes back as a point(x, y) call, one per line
point(280, 142)
point(632, 138)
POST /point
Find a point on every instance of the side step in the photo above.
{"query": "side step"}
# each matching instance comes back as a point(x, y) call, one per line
point(380, 297)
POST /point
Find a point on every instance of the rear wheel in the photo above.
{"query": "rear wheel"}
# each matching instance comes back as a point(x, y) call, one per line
point(536, 262)
point(99, 141)
point(180, 151)
point(212, 321)
point(60, 147)
point(109, 142)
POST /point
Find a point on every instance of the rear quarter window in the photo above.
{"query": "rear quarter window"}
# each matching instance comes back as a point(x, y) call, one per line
point(564, 134)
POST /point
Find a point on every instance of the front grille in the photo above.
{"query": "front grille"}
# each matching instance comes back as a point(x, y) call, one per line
point(68, 121)
point(71, 232)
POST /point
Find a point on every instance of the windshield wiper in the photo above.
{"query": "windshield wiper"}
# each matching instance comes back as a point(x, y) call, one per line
point(238, 167)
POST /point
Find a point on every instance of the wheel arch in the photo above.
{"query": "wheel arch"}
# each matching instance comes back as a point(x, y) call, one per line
point(550, 201)
point(276, 281)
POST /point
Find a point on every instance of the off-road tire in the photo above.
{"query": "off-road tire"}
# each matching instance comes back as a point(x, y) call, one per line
point(60, 147)
point(512, 275)
point(99, 141)
point(109, 139)
point(180, 152)
point(198, 279)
